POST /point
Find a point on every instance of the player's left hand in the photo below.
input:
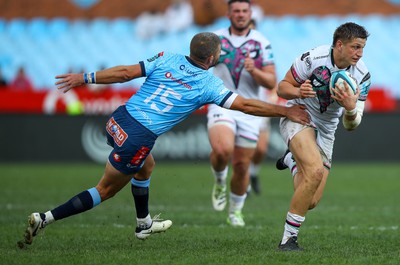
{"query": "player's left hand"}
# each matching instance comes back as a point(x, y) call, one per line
point(345, 96)
point(249, 63)
point(69, 81)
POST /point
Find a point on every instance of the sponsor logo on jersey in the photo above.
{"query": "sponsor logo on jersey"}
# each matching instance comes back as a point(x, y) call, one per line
point(169, 76)
point(116, 132)
point(320, 57)
point(304, 55)
point(187, 70)
point(308, 63)
point(155, 57)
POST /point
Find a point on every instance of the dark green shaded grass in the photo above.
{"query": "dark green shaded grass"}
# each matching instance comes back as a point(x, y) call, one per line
point(357, 222)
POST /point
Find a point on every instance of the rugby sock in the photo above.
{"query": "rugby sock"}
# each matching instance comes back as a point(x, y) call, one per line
point(254, 169)
point(140, 193)
point(292, 226)
point(47, 218)
point(220, 176)
point(291, 163)
point(82, 202)
point(236, 202)
point(144, 222)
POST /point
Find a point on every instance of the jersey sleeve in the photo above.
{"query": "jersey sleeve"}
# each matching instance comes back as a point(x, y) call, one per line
point(364, 83)
point(301, 67)
point(216, 92)
point(364, 86)
point(149, 65)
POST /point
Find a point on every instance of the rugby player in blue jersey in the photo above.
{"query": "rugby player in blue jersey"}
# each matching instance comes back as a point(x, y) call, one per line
point(175, 86)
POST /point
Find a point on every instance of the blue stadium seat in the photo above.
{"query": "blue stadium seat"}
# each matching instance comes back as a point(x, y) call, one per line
point(49, 47)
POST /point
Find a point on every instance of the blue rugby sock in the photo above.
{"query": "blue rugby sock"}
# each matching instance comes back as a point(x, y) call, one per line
point(82, 202)
point(140, 192)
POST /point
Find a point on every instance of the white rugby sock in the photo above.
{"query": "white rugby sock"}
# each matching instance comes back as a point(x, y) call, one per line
point(254, 169)
point(220, 176)
point(292, 226)
point(48, 218)
point(147, 221)
point(236, 202)
point(291, 163)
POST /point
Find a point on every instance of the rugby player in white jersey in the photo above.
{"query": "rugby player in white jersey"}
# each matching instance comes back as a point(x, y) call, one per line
point(311, 146)
point(246, 63)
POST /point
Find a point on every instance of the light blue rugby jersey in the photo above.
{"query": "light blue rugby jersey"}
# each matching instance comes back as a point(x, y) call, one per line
point(174, 88)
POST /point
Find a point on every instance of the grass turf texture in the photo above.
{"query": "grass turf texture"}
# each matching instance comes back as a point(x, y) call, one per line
point(357, 222)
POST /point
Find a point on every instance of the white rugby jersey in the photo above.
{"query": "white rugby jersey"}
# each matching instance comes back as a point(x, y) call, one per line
point(234, 50)
point(317, 65)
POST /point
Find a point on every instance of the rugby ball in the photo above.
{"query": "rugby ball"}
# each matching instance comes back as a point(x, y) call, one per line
point(339, 77)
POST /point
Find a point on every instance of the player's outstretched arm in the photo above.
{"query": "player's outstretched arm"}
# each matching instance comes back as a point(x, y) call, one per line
point(256, 107)
point(117, 74)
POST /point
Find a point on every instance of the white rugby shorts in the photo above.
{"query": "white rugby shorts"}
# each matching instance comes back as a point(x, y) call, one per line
point(289, 129)
point(245, 127)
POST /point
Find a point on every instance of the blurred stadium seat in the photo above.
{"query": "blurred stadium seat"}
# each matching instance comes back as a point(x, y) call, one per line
point(49, 47)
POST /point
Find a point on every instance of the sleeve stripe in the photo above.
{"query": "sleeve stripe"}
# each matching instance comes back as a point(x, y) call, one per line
point(143, 68)
point(228, 100)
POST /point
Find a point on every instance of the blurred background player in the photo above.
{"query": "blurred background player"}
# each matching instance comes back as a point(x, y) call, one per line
point(245, 65)
point(311, 146)
point(262, 144)
point(263, 137)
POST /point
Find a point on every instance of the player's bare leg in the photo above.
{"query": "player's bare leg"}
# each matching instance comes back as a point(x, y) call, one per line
point(309, 177)
point(145, 224)
point(222, 140)
point(258, 158)
point(239, 183)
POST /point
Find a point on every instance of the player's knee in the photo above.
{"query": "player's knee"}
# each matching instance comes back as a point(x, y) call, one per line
point(313, 204)
point(145, 172)
point(240, 167)
point(313, 179)
point(105, 192)
point(317, 175)
point(222, 154)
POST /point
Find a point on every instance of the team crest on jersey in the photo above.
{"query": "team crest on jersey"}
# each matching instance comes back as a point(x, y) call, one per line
point(234, 57)
point(155, 57)
point(320, 82)
point(116, 132)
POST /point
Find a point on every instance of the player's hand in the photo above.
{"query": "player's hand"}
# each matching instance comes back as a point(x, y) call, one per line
point(306, 90)
point(69, 81)
point(298, 113)
point(249, 63)
point(345, 96)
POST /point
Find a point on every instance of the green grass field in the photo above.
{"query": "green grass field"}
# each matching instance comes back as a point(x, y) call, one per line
point(357, 222)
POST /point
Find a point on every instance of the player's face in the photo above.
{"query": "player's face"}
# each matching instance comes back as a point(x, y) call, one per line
point(239, 14)
point(351, 52)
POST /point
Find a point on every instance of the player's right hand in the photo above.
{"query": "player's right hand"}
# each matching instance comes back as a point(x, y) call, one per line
point(306, 90)
point(298, 113)
point(69, 81)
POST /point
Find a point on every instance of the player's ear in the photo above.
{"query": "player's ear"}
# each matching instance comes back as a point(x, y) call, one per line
point(210, 60)
point(339, 45)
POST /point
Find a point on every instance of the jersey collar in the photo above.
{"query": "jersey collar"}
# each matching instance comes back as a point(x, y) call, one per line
point(195, 64)
point(230, 32)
